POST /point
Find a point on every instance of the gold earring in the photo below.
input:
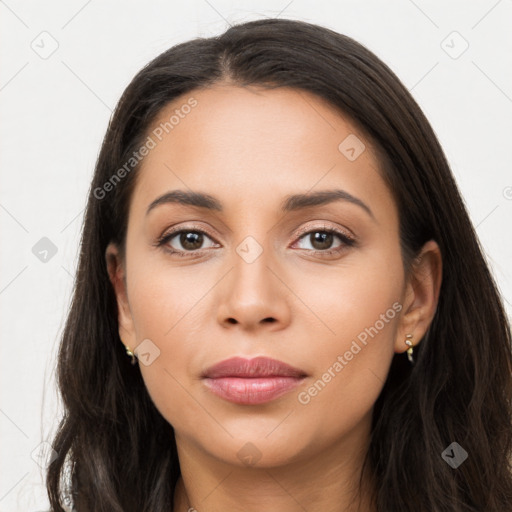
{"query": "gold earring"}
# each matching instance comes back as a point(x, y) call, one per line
point(131, 354)
point(408, 342)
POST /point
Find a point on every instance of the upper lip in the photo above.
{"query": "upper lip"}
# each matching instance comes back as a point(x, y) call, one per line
point(252, 368)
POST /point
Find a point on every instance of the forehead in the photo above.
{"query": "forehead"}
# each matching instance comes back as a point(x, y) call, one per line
point(253, 145)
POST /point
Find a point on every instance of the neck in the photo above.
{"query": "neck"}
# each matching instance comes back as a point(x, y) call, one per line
point(328, 481)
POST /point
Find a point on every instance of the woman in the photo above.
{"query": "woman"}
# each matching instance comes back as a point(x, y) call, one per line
point(275, 240)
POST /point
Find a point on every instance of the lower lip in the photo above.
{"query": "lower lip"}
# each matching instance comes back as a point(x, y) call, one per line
point(251, 391)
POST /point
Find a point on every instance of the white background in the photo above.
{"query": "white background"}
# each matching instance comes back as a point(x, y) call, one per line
point(55, 110)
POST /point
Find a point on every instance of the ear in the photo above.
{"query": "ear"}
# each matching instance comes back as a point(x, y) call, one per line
point(117, 272)
point(421, 295)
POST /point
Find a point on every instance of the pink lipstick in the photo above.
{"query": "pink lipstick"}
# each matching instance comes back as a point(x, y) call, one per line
point(252, 381)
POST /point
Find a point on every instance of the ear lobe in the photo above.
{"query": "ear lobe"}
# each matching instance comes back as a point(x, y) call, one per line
point(421, 295)
point(117, 274)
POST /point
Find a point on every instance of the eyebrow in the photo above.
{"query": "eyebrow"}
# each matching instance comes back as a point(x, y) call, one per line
point(291, 203)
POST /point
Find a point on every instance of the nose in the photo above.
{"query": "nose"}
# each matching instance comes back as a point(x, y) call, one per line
point(254, 296)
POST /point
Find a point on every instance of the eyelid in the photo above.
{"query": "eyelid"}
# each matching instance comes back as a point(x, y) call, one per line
point(342, 232)
point(191, 227)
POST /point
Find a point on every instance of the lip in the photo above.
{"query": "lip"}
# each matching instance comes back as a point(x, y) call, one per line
point(252, 381)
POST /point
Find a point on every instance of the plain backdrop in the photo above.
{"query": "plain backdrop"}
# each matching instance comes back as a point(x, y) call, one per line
point(65, 65)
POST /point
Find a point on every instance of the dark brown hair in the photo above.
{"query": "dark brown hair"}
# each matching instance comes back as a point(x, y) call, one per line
point(117, 453)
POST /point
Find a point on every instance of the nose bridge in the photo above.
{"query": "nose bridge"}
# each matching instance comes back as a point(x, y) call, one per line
point(251, 277)
point(252, 293)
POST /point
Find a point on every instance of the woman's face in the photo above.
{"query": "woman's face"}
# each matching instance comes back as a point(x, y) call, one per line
point(314, 281)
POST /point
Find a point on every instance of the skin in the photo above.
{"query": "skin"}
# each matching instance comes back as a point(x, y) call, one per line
point(249, 148)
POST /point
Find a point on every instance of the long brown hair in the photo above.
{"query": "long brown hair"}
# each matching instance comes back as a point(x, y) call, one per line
point(117, 453)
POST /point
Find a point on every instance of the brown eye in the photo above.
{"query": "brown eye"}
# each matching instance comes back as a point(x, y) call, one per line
point(322, 240)
point(185, 240)
point(191, 240)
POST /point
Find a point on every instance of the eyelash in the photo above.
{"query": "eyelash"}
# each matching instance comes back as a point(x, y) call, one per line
point(346, 240)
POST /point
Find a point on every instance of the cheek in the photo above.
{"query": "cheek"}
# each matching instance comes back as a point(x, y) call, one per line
point(360, 311)
point(168, 308)
point(167, 376)
point(164, 299)
point(353, 300)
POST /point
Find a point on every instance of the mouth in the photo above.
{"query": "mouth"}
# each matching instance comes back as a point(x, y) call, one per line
point(252, 381)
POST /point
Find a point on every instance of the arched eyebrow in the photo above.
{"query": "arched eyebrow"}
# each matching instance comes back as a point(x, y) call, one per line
point(300, 201)
point(290, 203)
point(188, 198)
